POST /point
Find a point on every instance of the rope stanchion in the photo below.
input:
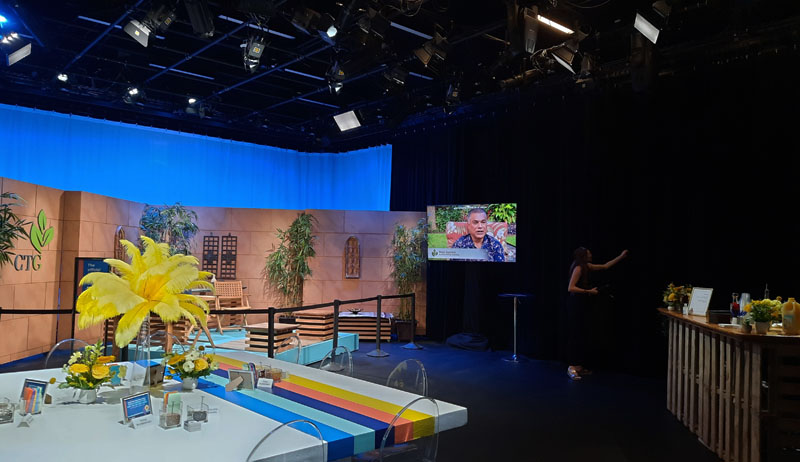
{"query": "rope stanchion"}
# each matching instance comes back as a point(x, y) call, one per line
point(377, 353)
point(271, 331)
point(413, 345)
point(336, 304)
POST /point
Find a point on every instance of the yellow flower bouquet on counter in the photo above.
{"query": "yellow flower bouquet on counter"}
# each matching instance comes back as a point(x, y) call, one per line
point(675, 296)
point(764, 310)
point(189, 365)
point(88, 369)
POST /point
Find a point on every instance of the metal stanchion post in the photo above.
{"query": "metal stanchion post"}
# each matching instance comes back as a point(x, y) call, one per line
point(377, 353)
point(271, 330)
point(413, 345)
point(332, 365)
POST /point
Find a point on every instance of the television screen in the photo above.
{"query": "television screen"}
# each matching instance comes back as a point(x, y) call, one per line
point(475, 232)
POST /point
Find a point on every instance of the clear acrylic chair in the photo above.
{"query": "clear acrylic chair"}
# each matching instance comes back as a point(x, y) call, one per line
point(269, 447)
point(410, 376)
point(61, 352)
point(289, 350)
point(162, 342)
point(338, 360)
point(397, 445)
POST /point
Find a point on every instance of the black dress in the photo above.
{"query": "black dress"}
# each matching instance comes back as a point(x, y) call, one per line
point(579, 314)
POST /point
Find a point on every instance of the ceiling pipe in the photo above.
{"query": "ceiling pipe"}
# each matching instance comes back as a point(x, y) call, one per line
point(103, 34)
point(188, 57)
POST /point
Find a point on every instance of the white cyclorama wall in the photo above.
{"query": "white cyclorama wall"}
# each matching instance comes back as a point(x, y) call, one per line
point(158, 166)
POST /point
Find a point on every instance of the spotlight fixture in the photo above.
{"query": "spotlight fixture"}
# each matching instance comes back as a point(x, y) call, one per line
point(157, 19)
point(196, 108)
point(453, 96)
point(564, 55)
point(335, 77)
point(201, 18)
point(647, 28)
point(396, 75)
point(192, 100)
point(3, 19)
point(62, 77)
point(531, 28)
point(132, 95)
point(253, 49)
point(433, 53)
point(14, 48)
point(305, 19)
point(347, 121)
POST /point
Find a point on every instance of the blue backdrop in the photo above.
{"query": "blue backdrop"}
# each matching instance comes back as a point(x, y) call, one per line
point(159, 166)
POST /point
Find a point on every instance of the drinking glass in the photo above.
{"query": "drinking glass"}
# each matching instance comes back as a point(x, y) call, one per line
point(735, 306)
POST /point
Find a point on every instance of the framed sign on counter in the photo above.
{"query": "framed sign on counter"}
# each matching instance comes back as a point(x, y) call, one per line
point(698, 302)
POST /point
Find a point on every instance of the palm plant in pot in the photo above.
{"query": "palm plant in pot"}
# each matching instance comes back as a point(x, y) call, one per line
point(287, 265)
point(11, 226)
point(408, 254)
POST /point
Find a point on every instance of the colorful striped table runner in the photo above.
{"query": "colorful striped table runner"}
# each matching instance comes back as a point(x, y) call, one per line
point(350, 423)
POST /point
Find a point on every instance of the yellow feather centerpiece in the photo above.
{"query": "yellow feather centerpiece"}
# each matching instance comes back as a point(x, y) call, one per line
point(153, 281)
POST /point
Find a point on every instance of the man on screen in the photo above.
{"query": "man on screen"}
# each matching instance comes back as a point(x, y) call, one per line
point(476, 237)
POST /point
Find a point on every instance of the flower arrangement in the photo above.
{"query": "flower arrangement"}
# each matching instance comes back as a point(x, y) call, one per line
point(765, 310)
point(193, 363)
point(676, 296)
point(153, 281)
point(88, 369)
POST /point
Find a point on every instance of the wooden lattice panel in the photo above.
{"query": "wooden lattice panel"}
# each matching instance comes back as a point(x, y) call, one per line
point(228, 257)
point(119, 250)
point(352, 258)
point(211, 255)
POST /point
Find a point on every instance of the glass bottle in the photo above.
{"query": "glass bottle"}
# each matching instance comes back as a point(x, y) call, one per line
point(735, 306)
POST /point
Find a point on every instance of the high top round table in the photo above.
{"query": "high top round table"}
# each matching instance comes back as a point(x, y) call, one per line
point(514, 358)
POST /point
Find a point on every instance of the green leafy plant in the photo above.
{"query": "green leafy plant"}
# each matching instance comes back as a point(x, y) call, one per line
point(287, 266)
point(174, 224)
point(409, 255)
point(506, 213)
point(41, 235)
point(764, 310)
point(448, 213)
point(11, 226)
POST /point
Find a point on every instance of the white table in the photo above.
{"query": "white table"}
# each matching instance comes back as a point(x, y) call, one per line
point(65, 432)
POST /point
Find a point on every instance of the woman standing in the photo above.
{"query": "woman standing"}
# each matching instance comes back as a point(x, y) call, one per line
point(579, 307)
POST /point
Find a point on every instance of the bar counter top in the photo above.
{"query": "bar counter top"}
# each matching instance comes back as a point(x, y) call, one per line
point(775, 334)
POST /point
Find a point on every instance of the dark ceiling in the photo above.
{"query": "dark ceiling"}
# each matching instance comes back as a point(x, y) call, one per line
point(286, 98)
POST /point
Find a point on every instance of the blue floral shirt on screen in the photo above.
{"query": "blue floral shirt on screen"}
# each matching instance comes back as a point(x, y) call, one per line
point(490, 244)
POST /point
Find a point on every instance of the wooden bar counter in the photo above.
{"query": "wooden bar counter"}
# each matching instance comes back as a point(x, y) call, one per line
point(739, 393)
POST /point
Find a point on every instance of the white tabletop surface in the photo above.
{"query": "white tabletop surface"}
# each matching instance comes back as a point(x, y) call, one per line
point(71, 432)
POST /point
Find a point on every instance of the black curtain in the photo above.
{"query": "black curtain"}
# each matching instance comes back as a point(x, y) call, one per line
point(697, 177)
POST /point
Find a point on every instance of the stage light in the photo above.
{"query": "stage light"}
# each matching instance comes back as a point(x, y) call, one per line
point(157, 19)
point(253, 49)
point(564, 56)
point(397, 75)
point(3, 19)
point(139, 31)
point(335, 77)
point(453, 96)
point(132, 95)
point(192, 100)
point(305, 19)
point(531, 28)
point(200, 17)
point(14, 48)
point(433, 53)
point(554, 24)
point(62, 77)
point(347, 121)
point(331, 32)
point(646, 28)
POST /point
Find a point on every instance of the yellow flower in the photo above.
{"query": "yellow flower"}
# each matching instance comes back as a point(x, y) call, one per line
point(105, 359)
point(748, 307)
point(200, 364)
point(175, 360)
point(78, 368)
point(671, 297)
point(100, 371)
point(168, 377)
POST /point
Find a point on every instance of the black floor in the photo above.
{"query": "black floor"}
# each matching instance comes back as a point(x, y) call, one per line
point(532, 411)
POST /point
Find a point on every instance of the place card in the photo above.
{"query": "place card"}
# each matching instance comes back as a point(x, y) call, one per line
point(137, 409)
point(698, 302)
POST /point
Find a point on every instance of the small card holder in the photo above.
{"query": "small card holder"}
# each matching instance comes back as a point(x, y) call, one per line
point(6, 411)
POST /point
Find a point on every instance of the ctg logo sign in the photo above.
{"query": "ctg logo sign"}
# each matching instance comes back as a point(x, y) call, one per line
point(40, 235)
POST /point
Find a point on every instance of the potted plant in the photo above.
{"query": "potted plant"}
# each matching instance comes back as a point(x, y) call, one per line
point(675, 296)
point(287, 266)
point(173, 224)
point(11, 227)
point(762, 313)
point(408, 264)
point(189, 366)
point(86, 370)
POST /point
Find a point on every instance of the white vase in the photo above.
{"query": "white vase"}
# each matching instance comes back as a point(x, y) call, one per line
point(189, 383)
point(762, 327)
point(87, 396)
